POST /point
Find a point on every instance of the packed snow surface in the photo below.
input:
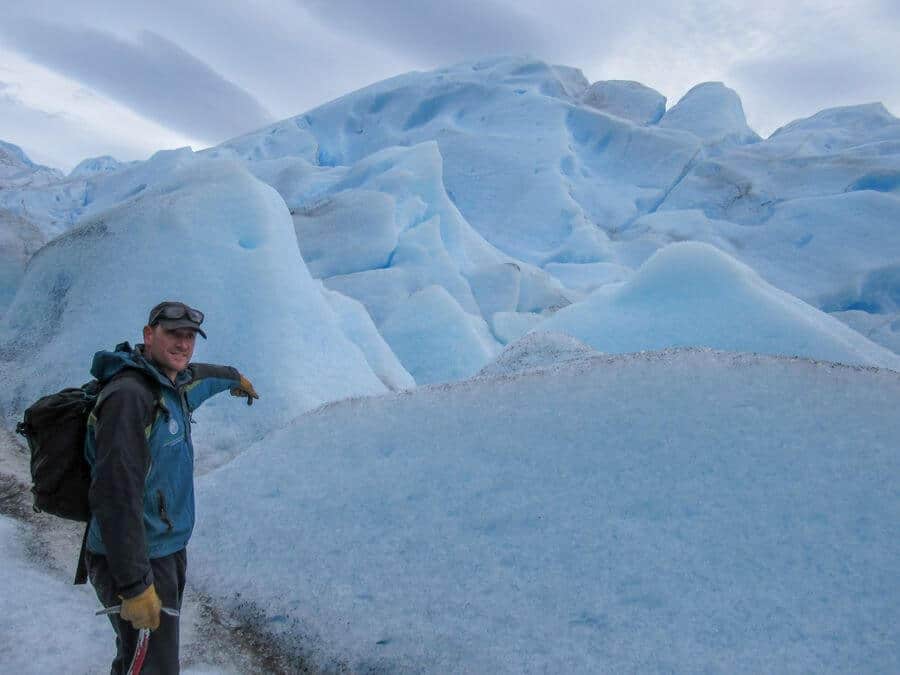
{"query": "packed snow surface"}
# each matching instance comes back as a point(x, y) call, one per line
point(712, 112)
point(96, 165)
point(679, 511)
point(537, 350)
point(46, 625)
point(49, 626)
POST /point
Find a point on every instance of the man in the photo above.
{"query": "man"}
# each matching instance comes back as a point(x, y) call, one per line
point(142, 486)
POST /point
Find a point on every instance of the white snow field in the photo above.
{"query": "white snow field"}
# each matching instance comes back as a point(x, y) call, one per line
point(536, 350)
point(680, 511)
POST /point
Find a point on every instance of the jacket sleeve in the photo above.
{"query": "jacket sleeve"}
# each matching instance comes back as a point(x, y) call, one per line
point(117, 487)
point(207, 381)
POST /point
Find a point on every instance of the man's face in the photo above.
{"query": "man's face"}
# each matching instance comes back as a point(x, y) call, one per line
point(171, 349)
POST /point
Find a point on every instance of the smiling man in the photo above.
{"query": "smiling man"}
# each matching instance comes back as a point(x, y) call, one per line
point(142, 477)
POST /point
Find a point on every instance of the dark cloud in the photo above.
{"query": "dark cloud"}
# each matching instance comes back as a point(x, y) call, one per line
point(888, 9)
point(154, 76)
point(439, 33)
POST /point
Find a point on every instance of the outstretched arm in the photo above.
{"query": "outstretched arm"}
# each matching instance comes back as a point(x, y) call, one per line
point(210, 379)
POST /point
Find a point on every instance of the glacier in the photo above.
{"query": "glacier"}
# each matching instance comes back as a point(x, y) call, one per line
point(553, 376)
point(520, 188)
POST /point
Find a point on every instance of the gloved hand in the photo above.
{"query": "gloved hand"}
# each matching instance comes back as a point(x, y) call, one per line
point(142, 610)
point(245, 388)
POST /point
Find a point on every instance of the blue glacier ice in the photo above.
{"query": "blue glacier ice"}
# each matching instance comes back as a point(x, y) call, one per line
point(692, 294)
point(458, 293)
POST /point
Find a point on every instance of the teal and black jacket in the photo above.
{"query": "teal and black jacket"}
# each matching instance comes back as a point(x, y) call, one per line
point(142, 460)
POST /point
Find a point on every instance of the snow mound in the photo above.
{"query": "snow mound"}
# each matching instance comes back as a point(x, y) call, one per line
point(588, 276)
point(96, 165)
point(432, 323)
point(351, 231)
point(666, 227)
point(537, 350)
point(212, 235)
point(510, 326)
point(104, 191)
point(839, 129)
point(684, 511)
point(632, 101)
point(692, 294)
point(359, 328)
point(288, 138)
point(713, 112)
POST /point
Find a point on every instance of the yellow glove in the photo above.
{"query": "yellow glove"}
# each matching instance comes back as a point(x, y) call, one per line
point(245, 388)
point(142, 610)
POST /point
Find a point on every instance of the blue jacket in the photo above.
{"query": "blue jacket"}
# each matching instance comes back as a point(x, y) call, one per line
point(142, 460)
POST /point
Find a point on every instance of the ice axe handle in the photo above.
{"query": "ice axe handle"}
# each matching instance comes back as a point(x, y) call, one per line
point(140, 652)
point(116, 609)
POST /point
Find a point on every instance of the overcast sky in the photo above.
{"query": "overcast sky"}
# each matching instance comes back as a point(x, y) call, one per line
point(95, 77)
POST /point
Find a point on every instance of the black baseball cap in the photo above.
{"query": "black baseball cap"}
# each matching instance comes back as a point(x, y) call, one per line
point(171, 314)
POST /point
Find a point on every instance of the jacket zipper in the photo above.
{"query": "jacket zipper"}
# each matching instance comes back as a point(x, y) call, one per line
point(162, 510)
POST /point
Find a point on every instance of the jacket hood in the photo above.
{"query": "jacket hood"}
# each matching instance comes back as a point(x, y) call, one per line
point(107, 364)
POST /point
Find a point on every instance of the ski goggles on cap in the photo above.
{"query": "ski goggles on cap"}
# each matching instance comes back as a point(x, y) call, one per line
point(176, 315)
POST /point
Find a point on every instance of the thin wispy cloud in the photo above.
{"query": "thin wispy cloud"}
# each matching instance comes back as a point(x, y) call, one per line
point(58, 123)
point(153, 75)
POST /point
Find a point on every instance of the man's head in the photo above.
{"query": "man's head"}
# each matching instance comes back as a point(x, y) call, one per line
point(170, 334)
